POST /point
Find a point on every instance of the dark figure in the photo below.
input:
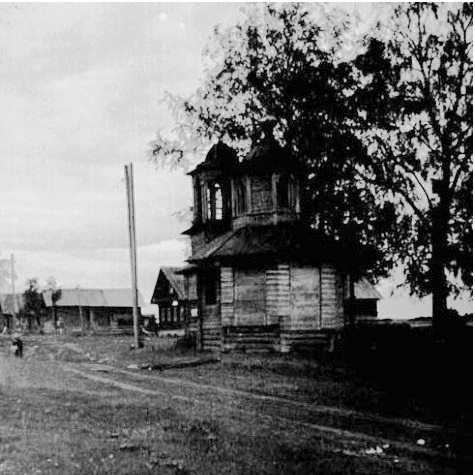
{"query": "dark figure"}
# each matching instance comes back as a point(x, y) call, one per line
point(17, 345)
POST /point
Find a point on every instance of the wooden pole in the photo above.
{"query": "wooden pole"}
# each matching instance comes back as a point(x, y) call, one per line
point(129, 180)
point(80, 310)
point(12, 263)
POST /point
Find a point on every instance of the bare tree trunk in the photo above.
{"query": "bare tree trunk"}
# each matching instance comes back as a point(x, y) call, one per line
point(54, 317)
point(439, 257)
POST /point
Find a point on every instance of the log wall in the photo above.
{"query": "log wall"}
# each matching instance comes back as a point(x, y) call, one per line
point(305, 297)
point(211, 337)
point(303, 302)
point(261, 194)
point(277, 293)
point(211, 322)
point(227, 296)
point(249, 297)
point(332, 298)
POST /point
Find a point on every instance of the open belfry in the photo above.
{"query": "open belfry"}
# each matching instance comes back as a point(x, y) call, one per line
point(265, 279)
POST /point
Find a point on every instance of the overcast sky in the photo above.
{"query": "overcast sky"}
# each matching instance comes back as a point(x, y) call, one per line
point(79, 91)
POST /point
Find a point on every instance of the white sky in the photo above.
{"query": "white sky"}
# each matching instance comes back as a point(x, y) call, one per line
point(79, 91)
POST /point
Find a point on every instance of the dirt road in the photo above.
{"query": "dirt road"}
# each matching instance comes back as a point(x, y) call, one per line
point(235, 428)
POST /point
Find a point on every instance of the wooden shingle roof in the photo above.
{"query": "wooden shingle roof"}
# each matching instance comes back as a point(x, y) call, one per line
point(94, 298)
point(365, 290)
point(281, 240)
point(176, 279)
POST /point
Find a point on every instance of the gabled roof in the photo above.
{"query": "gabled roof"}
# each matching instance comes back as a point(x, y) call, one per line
point(176, 279)
point(94, 298)
point(364, 290)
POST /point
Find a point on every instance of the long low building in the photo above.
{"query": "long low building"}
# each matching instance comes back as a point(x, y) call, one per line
point(94, 308)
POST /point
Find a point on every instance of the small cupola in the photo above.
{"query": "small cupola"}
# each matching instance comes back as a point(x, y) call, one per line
point(265, 186)
point(211, 185)
point(266, 154)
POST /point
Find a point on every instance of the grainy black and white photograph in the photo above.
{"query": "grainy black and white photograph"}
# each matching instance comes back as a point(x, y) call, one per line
point(236, 238)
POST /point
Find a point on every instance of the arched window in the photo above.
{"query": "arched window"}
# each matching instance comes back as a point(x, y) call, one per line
point(214, 198)
point(283, 192)
point(241, 194)
point(197, 211)
point(218, 202)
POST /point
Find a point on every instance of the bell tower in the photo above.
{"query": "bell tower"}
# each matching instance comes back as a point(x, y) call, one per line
point(265, 187)
point(212, 195)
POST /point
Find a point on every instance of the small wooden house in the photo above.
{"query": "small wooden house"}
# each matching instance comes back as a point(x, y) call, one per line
point(93, 309)
point(176, 298)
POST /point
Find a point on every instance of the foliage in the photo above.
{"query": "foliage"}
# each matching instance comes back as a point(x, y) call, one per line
point(53, 287)
point(413, 88)
point(384, 130)
point(33, 306)
point(288, 62)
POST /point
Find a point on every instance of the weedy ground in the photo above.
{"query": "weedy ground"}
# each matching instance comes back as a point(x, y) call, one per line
point(80, 406)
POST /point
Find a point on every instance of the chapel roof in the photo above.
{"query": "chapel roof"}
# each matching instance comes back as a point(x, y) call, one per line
point(220, 157)
point(283, 240)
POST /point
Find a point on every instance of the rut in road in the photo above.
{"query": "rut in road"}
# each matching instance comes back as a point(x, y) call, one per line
point(316, 409)
point(286, 421)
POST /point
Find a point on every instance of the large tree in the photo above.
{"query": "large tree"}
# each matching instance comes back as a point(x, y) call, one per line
point(52, 288)
point(374, 128)
point(288, 61)
point(414, 91)
point(33, 304)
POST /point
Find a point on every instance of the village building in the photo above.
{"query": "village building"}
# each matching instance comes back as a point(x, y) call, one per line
point(176, 298)
point(10, 306)
point(366, 300)
point(265, 280)
point(94, 309)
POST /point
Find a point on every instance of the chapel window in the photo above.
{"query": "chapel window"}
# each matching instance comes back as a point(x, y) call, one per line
point(218, 201)
point(214, 198)
point(283, 192)
point(241, 193)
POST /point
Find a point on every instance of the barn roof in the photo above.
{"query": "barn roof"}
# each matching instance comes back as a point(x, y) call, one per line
point(94, 298)
point(365, 290)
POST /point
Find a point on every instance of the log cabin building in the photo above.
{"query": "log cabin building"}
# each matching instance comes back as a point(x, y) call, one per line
point(176, 298)
point(265, 280)
point(94, 309)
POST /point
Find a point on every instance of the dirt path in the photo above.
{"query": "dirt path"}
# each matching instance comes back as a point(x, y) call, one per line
point(235, 413)
point(315, 409)
point(279, 411)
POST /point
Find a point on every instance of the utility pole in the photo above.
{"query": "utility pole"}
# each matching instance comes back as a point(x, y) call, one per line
point(12, 262)
point(81, 318)
point(129, 182)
